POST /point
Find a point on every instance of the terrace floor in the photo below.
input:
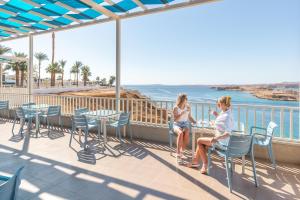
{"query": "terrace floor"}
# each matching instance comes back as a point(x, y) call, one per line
point(141, 170)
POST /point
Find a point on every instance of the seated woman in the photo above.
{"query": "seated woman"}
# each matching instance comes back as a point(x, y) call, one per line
point(182, 116)
point(223, 125)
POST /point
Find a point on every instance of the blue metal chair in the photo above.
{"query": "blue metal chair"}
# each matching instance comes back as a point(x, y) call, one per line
point(239, 145)
point(81, 111)
point(4, 105)
point(28, 104)
point(123, 120)
point(53, 111)
point(80, 122)
point(264, 138)
point(172, 133)
point(23, 117)
point(10, 186)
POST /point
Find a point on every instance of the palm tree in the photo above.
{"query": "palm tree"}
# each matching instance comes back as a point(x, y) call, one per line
point(18, 66)
point(40, 57)
point(3, 50)
point(53, 68)
point(62, 64)
point(22, 65)
point(76, 69)
point(111, 80)
point(85, 73)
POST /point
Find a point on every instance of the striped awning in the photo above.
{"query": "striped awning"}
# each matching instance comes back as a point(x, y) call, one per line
point(19, 18)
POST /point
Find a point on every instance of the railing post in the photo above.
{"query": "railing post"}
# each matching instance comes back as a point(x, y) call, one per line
point(291, 125)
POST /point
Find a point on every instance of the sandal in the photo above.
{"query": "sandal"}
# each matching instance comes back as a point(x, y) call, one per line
point(193, 165)
point(203, 169)
point(178, 159)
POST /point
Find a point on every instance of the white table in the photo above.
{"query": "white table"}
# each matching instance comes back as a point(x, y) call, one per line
point(102, 116)
point(207, 125)
point(37, 109)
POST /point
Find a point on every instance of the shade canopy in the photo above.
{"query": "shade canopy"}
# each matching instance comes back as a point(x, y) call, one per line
point(19, 18)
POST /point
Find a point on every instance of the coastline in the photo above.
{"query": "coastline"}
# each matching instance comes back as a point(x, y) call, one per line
point(264, 92)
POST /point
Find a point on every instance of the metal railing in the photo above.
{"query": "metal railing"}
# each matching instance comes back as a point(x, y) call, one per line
point(156, 113)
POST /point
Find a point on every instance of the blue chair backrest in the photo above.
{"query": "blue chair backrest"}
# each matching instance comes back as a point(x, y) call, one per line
point(4, 104)
point(80, 121)
point(170, 123)
point(124, 118)
point(79, 111)
point(28, 104)
point(239, 145)
point(20, 113)
point(54, 110)
point(9, 189)
point(270, 130)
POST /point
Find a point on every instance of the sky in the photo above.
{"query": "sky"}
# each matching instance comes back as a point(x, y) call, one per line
point(224, 42)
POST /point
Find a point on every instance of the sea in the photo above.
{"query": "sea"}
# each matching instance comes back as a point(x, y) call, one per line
point(199, 93)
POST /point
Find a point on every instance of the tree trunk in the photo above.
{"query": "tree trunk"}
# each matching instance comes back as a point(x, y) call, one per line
point(77, 79)
point(39, 74)
point(17, 77)
point(52, 79)
point(53, 47)
point(62, 79)
point(22, 78)
point(84, 80)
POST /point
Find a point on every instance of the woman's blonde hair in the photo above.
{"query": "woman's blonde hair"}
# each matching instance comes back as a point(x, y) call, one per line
point(225, 100)
point(180, 99)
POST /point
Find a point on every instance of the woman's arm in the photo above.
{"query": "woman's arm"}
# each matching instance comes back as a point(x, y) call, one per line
point(223, 136)
point(190, 116)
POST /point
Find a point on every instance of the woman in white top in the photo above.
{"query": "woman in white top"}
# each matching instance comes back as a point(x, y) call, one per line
point(223, 125)
point(182, 116)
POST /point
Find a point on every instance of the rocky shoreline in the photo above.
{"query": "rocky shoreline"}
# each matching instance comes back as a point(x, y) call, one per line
point(265, 92)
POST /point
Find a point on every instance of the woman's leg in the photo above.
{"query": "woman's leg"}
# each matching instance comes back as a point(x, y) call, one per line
point(201, 150)
point(179, 133)
point(186, 138)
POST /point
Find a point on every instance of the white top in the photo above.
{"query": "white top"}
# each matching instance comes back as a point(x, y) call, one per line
point(224, 123)
point(185, 116)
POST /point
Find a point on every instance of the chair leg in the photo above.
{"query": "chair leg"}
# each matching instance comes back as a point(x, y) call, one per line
point(228, 173)
point(209, 161)
point(99, 132)
point(13, 127)
point(86, 132)
point(271, 156)
point(22, 123)
point(71, 135)
point(130, 131)
point(119, 133)
point(253, 168)
point(48, 126)
point(171, 142)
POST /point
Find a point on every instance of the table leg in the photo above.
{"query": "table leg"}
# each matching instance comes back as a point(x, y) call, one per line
point(243, 164)
point(79, 134)
point(104, 131)
point(37, 124)
point(193, 143)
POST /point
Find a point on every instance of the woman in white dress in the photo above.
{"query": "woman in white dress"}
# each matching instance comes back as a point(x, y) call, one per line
point(223, 127)
point(182, 116)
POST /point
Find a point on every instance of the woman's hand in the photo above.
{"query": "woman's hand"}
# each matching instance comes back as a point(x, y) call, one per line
point(215, 113)
point(213, 140)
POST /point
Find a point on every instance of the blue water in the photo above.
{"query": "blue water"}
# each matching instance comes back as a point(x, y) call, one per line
point(206, 94)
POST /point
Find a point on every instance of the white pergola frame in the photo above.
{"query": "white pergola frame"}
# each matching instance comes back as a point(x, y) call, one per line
point(110, 17)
